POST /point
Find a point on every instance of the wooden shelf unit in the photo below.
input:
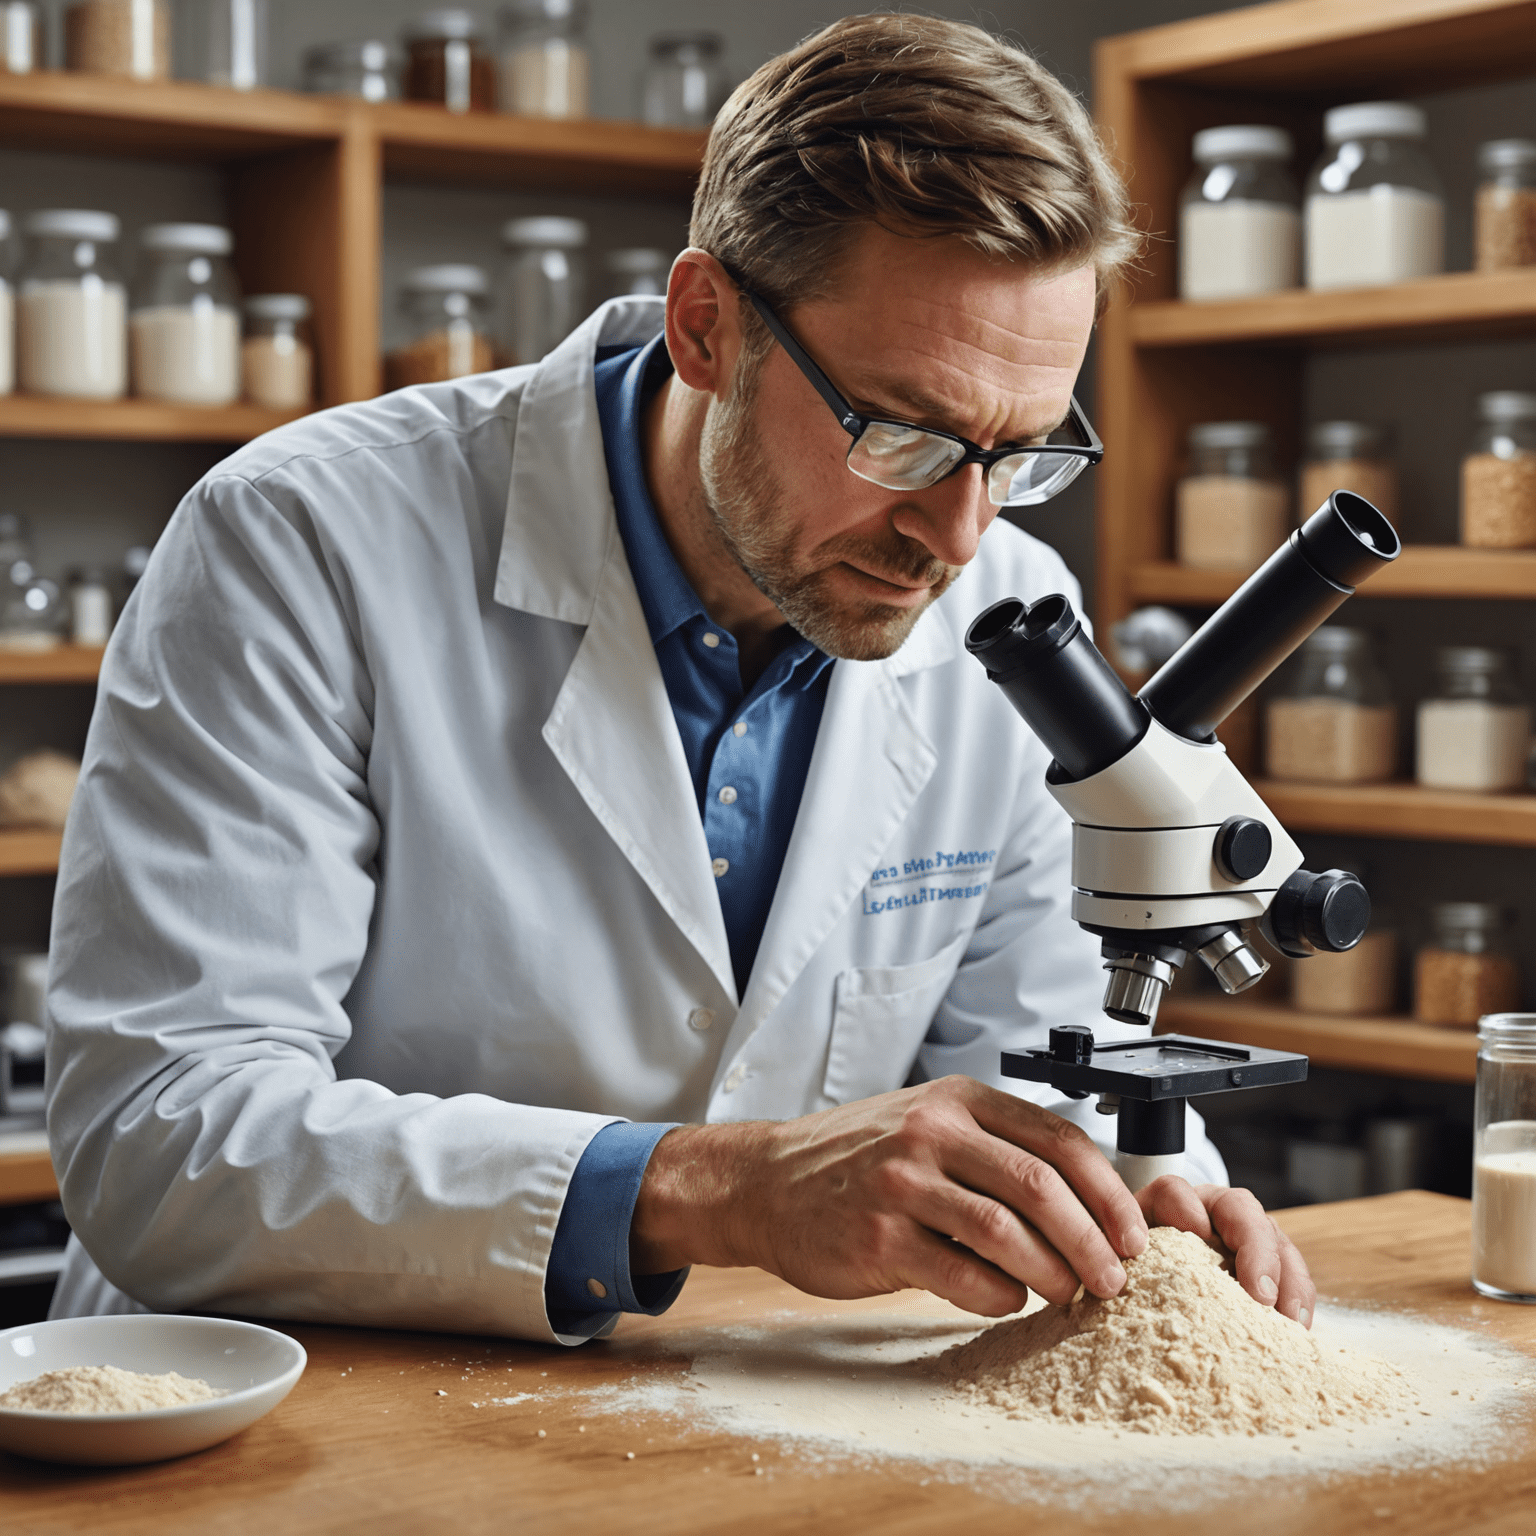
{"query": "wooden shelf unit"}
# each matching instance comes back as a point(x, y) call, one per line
point(63, 664)
point(136, 420)
point(1404, 811)
point(1394, 1046)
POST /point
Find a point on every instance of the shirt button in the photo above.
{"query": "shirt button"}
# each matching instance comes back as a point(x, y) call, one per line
point(720, 866)
point(701, 1018)
point(740, 728)
point(711, 640)
point(727, 796)
point(597, 1288)
point(734, 1079)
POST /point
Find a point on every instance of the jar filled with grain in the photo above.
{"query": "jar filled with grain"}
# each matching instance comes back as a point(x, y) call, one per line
point(1504, 217)
point(71, 307)
point(21, 37)
point(277, 364)
point(1467, 969)
point(119, 37)
point(1498, 475)
point(1335, 722)
point(1239, 215)
point(1349, 456)
point(1231, 509)
point(1474, 731)
point(446, 308)
point(448, 62)
point(185, 327)
point(542, 48)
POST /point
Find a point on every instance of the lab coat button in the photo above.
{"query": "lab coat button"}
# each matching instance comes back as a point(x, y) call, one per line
point(734, 1079)
point(701, 1018)
point(711, 640)
point(740, 728)
point(597, 1288)
point(720, 866)
point(727, 796)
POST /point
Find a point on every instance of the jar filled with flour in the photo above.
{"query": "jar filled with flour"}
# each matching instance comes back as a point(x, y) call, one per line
point(1498, 475)
point(1474, 731)
point(1231, 509)
point(7, 306)
point(277, 365)
point(71, 307)
point(1240, 215)
point(186, 316)
point(1334, 723)
point(1375, 211)
point(1504, 1159)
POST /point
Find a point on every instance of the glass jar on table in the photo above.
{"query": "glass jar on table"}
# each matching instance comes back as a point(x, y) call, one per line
point(543, 57)
point(1240, 215)
point(71, 307)
point(684, 84)
point(1504, 1158)
point(185, 326)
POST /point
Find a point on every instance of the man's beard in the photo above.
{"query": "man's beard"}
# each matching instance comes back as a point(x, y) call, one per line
point(747, 506)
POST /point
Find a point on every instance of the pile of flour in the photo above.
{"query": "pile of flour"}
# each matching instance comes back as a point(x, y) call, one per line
point(1182, 1350)
point(105, 1389)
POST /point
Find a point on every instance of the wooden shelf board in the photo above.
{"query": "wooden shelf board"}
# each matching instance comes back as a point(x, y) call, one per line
point(63, 664)
point(174, 120)
point(1403, 811)
point(425, 143)
point(136, 420)
point(1422, 570)
point(1455, 305)
point(1394, 1046)
point(1318, 47)
point(29, 852)
point(25, 1177)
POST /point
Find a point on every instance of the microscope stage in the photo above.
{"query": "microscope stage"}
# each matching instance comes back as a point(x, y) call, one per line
point(1163, 1067)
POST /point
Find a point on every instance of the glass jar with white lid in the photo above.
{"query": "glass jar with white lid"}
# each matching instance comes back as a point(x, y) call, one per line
point(1332, 721)
point(1375, 209)
point(1504, 1158)
point(1498, 474)
point(543, 57)
point(1240, 215)
point(1474, 731)
point(276, 360)
point(445, 307)
point(7, 306)
point(1231, 509)
point(185, 325)
point(71, 307)
point(543, 284)
point(1504, 210)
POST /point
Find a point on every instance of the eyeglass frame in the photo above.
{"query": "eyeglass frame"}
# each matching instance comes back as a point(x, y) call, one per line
point(856, 423)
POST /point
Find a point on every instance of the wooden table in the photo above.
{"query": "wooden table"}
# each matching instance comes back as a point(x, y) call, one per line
point(365, 1444)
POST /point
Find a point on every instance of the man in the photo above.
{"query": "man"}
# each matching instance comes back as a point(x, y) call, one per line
point(533, 827)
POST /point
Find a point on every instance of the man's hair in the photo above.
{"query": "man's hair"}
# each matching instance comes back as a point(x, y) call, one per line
point(925, 126)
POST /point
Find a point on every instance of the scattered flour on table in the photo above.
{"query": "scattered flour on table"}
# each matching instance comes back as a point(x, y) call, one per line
point(1183, 1349)
point(105, 1389)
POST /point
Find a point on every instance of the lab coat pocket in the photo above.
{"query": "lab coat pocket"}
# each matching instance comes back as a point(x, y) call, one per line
point(880, 1015)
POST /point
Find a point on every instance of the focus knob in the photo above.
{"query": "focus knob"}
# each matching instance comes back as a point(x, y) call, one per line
point(1243, 847)
point(1328, 912)
point(1071, 1043)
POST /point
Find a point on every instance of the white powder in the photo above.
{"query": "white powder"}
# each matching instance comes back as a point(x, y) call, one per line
point(1382, 234)
point(7, 338)
point(1504, 1219)
point(188, 354)
point(71, 338)
point(1472, 744)
point(1230, 250)
point(105, 1389)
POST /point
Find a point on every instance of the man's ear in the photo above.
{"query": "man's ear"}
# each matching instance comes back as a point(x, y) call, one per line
point(703, 322)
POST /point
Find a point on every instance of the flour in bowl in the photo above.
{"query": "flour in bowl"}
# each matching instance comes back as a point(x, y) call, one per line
point(105, 1389)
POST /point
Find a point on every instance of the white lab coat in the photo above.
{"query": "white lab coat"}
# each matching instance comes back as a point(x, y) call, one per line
point(385, 887)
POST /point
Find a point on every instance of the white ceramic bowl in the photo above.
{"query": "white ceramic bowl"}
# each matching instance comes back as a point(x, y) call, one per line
point(257, 1367)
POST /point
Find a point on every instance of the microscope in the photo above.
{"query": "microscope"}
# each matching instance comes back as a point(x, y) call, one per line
point(1173, 851)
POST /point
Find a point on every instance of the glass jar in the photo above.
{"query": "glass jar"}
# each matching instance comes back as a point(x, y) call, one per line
point(7, 306)
point(1349, 456)
point(119, 37)
point(1498, 475)
point(1474, 731)
point(447, 62)
point(1231, 509)
point(637, 270)
point(1504, 212)
point(277, 363)
point(1504, 1159)
point(543, 285)
point(685, 83)
point(32, 612)
point(1240, 215)
point(363, 69)
point(71, 307)
point(226, 42)
point(21, 37)
point(1375, 211)
point(446, 309)
point(1467, 969)
point(185, 325)
point(1360, 983)
point(1334, 723)
point(543, 57)
point(90, 606)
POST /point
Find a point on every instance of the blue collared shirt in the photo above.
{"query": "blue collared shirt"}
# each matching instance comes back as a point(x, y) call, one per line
point(748, 753)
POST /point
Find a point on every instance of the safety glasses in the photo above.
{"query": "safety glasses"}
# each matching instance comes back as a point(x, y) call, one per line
point(901, 457)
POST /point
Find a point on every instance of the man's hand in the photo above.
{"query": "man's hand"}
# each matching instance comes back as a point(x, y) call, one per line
point(952, 1187)
point(1269, 1266)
